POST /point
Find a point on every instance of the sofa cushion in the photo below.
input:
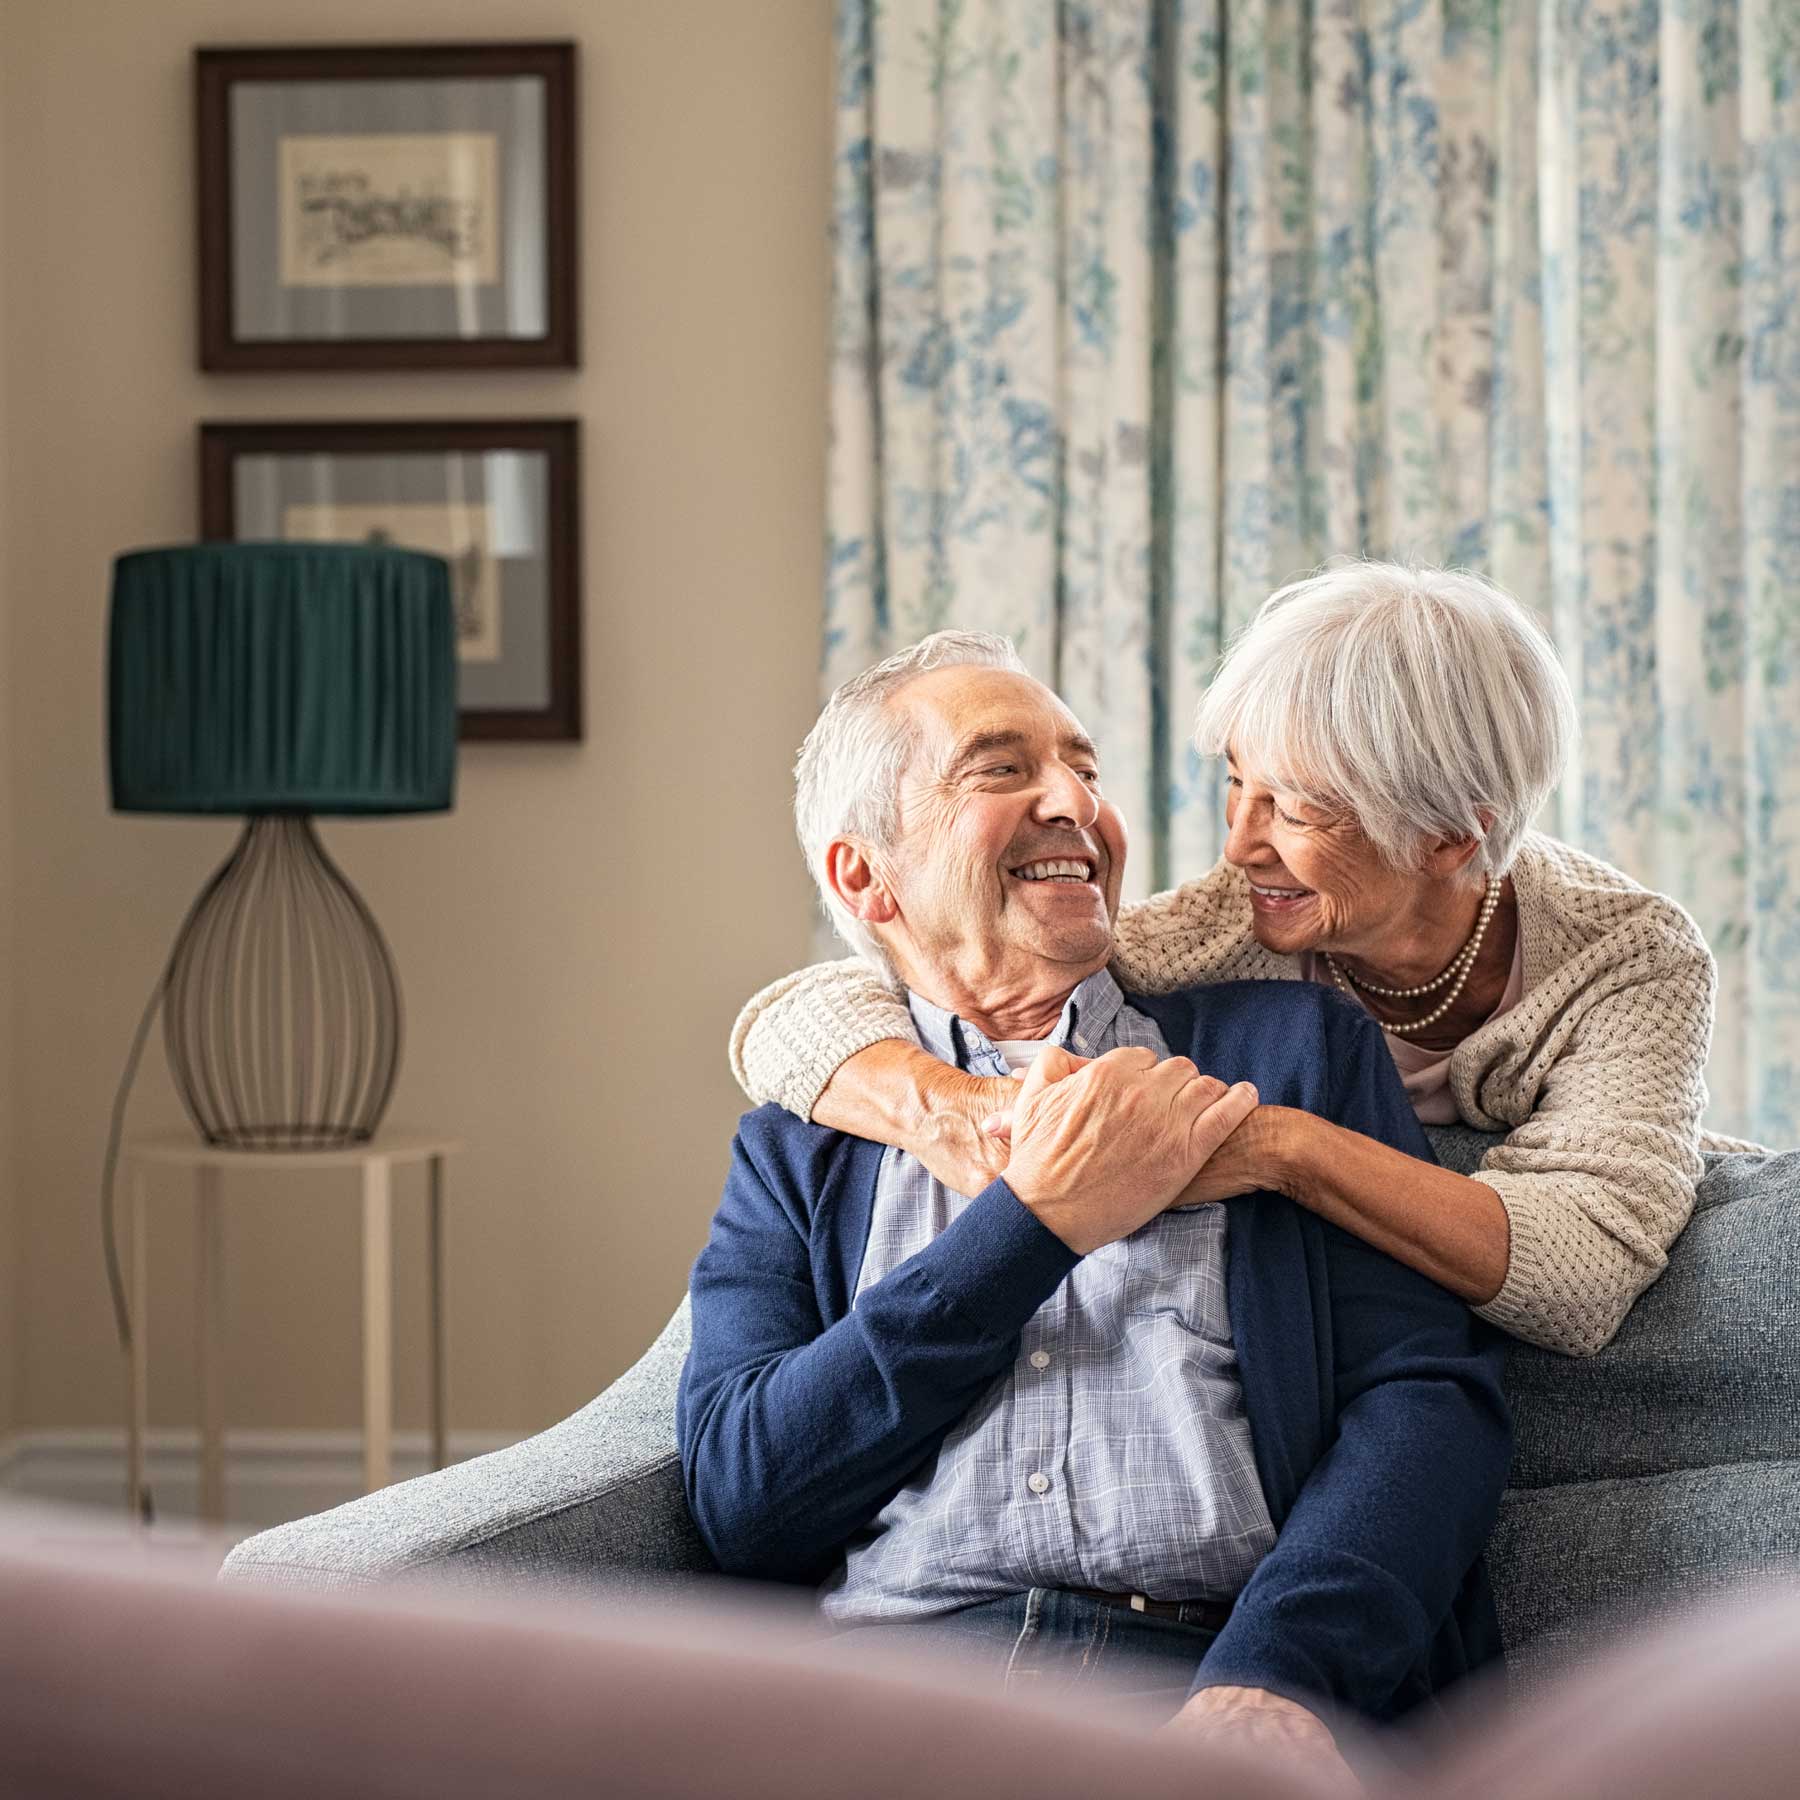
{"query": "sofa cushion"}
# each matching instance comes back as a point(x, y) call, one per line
point(1579, 1565)
point(1705, 1370)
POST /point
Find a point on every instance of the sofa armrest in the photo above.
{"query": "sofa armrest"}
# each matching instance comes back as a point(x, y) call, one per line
point(597, 1498)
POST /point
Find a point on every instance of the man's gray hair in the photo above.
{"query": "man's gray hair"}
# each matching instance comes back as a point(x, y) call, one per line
point(847, 781)
point(1414, 699)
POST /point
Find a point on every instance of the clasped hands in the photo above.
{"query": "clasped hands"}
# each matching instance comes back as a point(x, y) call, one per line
point(1096, 1148)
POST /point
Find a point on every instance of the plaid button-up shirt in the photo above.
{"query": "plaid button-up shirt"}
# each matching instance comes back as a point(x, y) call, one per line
point(1115, 1453)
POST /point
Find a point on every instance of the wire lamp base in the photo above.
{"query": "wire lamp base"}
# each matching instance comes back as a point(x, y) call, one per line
point(282, 1018)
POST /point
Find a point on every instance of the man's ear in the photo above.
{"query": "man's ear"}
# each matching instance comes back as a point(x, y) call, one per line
point(858, 883)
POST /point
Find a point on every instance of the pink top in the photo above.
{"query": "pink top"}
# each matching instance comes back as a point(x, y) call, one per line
point(1425, 1074)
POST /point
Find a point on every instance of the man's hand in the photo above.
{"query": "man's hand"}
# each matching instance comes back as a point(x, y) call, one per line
point(1261, 1723)
point(1100, 1148)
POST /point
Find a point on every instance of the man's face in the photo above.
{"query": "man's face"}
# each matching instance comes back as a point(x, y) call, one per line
point(1008, 860)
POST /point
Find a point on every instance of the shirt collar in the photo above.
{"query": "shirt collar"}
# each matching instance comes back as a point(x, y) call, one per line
point(1087, 1015)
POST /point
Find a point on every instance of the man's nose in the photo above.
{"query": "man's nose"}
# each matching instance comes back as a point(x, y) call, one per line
point(1065, 799)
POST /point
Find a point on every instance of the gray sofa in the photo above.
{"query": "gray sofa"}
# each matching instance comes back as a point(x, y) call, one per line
point(1648, 1478)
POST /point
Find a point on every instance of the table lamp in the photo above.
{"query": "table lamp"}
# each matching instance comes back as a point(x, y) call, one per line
point(282, 681)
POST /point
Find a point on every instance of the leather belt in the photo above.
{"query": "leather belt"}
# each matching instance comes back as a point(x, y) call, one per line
point(1212, 1614)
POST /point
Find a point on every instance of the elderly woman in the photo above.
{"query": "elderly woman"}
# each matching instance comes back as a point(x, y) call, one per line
point(1388, 734)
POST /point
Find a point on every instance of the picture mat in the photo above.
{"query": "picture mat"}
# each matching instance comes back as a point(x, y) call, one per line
point(511, 110)
point(458, 533)
point(511, 486)
point(392, 210)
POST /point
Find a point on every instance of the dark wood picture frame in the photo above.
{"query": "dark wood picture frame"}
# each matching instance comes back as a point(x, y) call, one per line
point(559, 440)
point(215, 72)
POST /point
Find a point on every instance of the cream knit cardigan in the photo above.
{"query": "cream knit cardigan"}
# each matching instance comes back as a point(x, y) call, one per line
point(1596, 1075)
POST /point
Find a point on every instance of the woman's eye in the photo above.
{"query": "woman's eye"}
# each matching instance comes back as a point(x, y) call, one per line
point(1002, 769)
point(1287, 818)
point(1236, 781)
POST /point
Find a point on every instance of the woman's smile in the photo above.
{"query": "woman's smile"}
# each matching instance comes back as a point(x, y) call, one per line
point(1277, 899)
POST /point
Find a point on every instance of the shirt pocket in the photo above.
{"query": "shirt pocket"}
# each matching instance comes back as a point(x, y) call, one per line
point(1177, 1272)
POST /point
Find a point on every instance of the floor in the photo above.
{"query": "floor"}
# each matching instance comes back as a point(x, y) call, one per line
point(178, 1545)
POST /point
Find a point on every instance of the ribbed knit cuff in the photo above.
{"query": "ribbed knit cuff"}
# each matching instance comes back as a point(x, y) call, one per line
point(1538, 1301)
point(794, 1036)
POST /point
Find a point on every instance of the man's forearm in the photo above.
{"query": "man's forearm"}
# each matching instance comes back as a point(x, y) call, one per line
point(791, 1438)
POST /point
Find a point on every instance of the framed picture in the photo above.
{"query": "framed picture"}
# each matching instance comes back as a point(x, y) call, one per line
point(497, 498)
point(387, 206)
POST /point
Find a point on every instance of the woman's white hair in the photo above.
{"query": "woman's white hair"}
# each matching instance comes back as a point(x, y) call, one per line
point(1424, 703)
point(847, 780)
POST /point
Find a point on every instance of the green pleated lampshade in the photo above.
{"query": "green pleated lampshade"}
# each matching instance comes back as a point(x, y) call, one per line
point(255, 677)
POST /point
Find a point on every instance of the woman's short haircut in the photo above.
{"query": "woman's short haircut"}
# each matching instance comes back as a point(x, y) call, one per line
point(847, 780)
point(1424, 703)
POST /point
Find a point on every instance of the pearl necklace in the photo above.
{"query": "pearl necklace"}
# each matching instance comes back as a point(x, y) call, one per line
point(1459, 968)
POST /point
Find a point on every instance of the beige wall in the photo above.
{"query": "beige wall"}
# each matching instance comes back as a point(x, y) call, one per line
point(9, 1314)
point(574, 939)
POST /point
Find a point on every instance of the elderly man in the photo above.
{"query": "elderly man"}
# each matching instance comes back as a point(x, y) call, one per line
point(1227, 1443)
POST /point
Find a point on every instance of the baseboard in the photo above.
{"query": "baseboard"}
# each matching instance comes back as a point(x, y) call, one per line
point(270, 1476)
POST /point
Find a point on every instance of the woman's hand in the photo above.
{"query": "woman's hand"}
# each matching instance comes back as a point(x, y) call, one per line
point(1243, 1164)
point(895, 1093)
point(947, 1138)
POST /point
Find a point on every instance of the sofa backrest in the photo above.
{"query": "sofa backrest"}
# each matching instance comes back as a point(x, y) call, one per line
point(1666, 1468)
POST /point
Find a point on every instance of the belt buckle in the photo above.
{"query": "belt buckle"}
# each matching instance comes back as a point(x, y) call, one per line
point(1139, 1602)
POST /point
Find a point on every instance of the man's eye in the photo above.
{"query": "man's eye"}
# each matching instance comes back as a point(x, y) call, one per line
point(1002, 769)
point(1089, 775)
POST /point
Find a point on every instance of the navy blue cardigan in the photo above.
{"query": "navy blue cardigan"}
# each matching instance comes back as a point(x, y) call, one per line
point(1373, 1395)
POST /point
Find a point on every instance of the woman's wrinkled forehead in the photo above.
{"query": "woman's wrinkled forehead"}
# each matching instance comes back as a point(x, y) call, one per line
point(1267, 766)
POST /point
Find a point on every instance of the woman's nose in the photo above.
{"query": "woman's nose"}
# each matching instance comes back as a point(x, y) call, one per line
point(1242, 836)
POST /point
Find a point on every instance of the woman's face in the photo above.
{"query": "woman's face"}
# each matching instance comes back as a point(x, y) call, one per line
point(1316, 883)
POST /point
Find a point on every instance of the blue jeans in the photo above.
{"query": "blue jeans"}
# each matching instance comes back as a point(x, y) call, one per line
point(1050, 1642)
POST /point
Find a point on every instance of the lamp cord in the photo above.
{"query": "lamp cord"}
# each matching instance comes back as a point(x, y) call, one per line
point(109, 1170)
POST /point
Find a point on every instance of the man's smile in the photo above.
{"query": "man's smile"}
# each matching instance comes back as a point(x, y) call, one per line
point(1072, 870)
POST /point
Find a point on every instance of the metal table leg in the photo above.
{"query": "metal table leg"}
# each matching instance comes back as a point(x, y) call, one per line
point(139, 1411)
point(435, 1258)
point(378, 1348)
point(209, 1311)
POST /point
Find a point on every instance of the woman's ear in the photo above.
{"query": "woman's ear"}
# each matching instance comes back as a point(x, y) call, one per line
point(858, 883)
point(1450, 856)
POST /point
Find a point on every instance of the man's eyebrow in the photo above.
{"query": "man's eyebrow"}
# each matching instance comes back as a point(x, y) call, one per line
point(983, 742)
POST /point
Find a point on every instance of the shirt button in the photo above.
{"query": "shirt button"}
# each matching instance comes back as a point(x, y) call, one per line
point(1040, 1359)
point(1038, 1483)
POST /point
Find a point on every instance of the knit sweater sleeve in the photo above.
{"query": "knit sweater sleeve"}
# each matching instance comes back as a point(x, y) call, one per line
point(1599, 1180)
point(790, 1039)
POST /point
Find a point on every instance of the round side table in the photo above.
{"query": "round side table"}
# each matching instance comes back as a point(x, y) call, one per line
point(375, 1162)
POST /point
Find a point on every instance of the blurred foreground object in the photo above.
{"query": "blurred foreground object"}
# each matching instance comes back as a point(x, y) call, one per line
point(120, 1676)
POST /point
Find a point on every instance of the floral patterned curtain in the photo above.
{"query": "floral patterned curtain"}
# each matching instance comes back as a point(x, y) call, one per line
point(1143, 307)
